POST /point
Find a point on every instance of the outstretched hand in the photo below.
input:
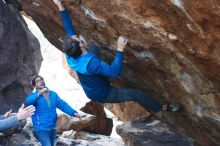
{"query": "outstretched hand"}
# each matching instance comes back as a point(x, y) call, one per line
point(78, 116)
point(122, 42)
point(24, 113)
point(59, 4)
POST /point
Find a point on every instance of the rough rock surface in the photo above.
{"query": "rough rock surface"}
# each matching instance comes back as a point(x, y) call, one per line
point(65, 123)
point(150, 132)
point(95, 138)
point(20, 56)
point(102, 125)
point(70, 138)
point(173, 51)
point(128, 111)
point(98, 124)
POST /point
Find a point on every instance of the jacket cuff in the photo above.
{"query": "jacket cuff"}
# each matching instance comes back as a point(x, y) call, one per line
point(119, 55)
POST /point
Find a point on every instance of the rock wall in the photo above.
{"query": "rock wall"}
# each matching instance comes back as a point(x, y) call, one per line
point(20, 56)
point(151, 132)
point(68, 138)
point(103, 125)
point(173, 51)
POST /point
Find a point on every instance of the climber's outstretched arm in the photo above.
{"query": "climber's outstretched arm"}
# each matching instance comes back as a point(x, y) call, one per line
point(67, 23)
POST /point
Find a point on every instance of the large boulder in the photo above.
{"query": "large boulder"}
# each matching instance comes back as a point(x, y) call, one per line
point(128, 111)
point(66, 123)
point(173, 51)
point(20, 56)
point(103, 125)
point(151, 132)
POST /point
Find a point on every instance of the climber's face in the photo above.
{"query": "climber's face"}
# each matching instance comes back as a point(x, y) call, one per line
point(39, 81)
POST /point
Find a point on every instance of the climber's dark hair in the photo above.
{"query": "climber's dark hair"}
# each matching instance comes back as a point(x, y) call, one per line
point(71, 47)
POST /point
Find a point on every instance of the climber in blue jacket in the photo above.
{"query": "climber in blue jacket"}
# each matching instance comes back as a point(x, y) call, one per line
point(45, 117)
point(93, 73)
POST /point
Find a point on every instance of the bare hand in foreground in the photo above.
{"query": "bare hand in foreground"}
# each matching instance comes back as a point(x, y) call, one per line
point(24, 113)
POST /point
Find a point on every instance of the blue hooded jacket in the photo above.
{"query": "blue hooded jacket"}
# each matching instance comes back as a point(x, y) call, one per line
point(93, 73)
point(45, 115)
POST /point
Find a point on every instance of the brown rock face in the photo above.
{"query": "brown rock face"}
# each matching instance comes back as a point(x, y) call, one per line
point(103, 125)
point(66, 123)
point(150, 132)
point(128, 111)
point(173, 51)
point(19, 57)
